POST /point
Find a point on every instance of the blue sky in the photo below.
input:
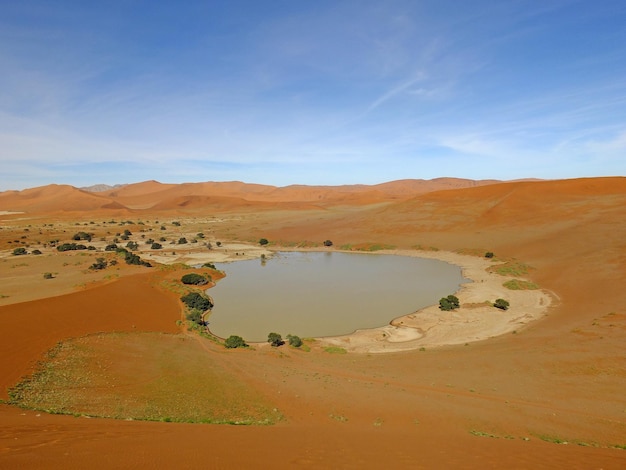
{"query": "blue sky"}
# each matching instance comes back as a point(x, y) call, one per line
point(302, 92)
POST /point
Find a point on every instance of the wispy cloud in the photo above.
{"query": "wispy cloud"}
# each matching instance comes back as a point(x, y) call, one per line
point(375, 91)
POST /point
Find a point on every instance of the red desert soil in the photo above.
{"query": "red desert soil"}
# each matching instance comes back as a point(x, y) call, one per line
point(500, 403)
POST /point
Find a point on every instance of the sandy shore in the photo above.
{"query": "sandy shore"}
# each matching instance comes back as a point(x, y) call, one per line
point(476, 320)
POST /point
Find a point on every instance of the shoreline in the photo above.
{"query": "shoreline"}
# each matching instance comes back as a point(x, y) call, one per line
point(476, 320)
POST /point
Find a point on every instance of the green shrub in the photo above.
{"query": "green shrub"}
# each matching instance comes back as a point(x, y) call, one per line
point(234, 341)
point(195, 316)
point(20, 251)
point(100, 263)
point(156, 246)
point(263, 241)
point(294, 341)
point(501, 304)
point(489, 254)
point(194, 279)
point(275, 340)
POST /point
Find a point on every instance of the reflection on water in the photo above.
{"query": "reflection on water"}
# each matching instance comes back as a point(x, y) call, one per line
point(324, 294)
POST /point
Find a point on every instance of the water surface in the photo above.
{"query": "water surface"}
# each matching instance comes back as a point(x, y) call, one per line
point(313, 294)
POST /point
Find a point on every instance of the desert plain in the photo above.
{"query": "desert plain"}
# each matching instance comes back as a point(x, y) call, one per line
point(111, 376)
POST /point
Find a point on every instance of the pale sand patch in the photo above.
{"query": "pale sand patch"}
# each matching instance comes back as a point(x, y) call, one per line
point(11, 212)
point(191, 255)
point(431, 327)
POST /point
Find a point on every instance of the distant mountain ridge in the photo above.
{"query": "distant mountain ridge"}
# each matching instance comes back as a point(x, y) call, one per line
point(98, 188)
point(221, 196)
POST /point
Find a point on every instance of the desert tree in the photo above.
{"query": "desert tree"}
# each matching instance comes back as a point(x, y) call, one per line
point(451, 302)
point(275, 339)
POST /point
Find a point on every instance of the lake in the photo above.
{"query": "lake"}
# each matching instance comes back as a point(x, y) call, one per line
point(316, 294)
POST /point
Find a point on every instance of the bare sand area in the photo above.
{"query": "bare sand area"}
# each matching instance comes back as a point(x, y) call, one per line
point(549, 396)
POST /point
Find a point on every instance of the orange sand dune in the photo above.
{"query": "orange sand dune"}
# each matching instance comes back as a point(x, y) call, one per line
point(159, 196)
point(500, 403)
point(53, 198)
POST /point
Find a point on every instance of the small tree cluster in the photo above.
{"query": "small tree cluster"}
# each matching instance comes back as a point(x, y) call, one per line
point(450, 302)
point(132, 258)
point(328, 243)
point(82, 236)
point(71, 247)
point(489, 254)
point(195, 300)
point(20, 251)
point(263, 241)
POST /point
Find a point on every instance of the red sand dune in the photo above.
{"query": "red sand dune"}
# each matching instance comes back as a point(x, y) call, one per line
point(563, 376)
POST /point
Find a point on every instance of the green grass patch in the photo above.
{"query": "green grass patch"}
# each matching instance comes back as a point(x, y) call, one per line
point(335, 350)
point(518, 284)
point(141, 376)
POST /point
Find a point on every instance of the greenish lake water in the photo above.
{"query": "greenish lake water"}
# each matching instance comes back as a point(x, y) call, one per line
point(316, 294)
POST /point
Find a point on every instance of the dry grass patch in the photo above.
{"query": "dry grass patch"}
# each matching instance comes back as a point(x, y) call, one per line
point(157, 377)
point(511, 268)
point(518, 284)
